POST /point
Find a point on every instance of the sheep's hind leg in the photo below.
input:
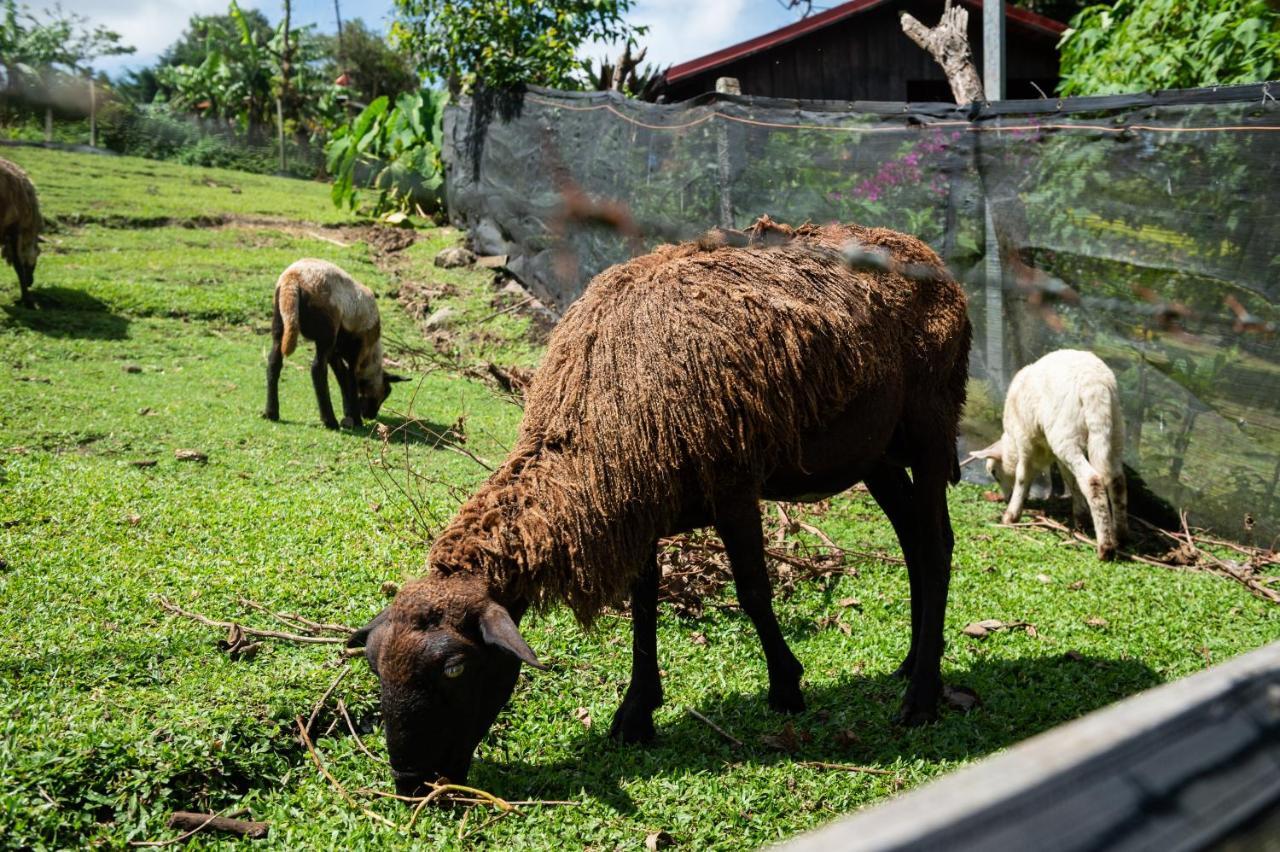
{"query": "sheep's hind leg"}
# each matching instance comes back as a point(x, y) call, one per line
point(934, 543)
point(738, 525)
point(892, 490)
point(275, 361)
point(633, 720)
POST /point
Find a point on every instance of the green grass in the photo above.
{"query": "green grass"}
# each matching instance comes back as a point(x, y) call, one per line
point(79, 188)
point(113, 713)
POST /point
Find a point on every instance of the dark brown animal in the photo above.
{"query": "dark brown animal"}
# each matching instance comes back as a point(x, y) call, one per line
point(323, 303)
point(20, 225)
point(680, 390)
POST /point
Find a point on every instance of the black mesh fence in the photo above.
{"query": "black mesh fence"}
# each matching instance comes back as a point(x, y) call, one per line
point(1143, 228)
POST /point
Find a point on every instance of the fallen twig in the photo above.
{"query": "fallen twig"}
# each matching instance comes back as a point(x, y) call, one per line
point(195, 823)
point(294, 620)
point(342, 708)
point(315, 711)
point(342, 791)
point(719, 730)
point(250, 631)
point(845, 767)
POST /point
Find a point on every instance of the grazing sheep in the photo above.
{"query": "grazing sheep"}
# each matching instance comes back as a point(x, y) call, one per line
point(1065, 408)
point(20, 225)
point(680, 390)
point(323, 303)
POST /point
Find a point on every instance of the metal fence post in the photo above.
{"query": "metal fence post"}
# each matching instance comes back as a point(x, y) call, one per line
point(993, 82)
point(730, 86)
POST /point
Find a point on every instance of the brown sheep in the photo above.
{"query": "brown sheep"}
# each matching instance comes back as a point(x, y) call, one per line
point(323, 303)
point(680, 390)
point(20, 224)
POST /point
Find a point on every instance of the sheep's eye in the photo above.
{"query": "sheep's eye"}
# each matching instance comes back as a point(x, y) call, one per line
point(453, 669)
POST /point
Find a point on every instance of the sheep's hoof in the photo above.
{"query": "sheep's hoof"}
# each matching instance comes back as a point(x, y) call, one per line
point(788, 700)
point(1107, 553)
point(331, 424)
point(912, 716)
point(347, 423)
point(632, 724)
point(271, 415)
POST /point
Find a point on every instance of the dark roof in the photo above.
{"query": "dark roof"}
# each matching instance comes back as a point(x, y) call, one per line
point(1026, 20)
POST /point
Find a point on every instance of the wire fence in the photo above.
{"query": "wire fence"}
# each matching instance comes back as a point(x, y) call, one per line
point(1144, 228)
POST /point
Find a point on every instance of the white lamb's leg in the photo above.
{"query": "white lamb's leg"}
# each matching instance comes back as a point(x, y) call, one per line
point(1079, 508)
point(1094, 488)
point(1118, 490)
point(1021, 486)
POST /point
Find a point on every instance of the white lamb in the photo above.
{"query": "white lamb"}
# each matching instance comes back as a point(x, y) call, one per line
point(1065, 407)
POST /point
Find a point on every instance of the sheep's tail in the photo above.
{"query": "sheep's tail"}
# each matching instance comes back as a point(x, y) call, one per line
point(1102, 418)
point(287, 308)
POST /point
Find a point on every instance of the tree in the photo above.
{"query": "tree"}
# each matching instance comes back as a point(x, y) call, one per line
point(40, 54)
point(1144, 45)
point(373, 68)
point(192, 47)
point(503, 43)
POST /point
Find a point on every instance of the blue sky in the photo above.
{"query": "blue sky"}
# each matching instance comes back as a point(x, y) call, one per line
point(678, 29)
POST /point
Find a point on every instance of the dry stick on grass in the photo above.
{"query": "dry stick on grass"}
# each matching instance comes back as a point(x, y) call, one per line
point(342, 791)
point(845, 767)
point(198, 822)
point(294, 620)
point(315, 711)
point(249, 631)
point(719, 730)
point(342, 708)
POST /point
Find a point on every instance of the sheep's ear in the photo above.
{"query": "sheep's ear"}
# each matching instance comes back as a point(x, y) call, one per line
point(994, 451)
point(499, 630)
point(392, 377)
point(369, 637)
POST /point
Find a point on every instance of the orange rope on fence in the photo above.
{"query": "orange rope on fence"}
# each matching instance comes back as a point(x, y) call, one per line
point(973, 128)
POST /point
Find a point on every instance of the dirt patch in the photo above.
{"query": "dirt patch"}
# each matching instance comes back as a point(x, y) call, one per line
point(390, 240)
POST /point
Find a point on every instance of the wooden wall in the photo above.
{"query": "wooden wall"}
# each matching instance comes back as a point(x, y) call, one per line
point(867, 57)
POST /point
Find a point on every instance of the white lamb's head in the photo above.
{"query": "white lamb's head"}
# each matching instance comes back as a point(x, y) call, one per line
point(995, 458)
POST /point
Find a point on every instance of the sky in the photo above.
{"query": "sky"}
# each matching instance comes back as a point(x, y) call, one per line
point(678, 29)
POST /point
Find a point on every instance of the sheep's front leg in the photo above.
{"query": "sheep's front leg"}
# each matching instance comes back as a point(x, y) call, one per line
point(350, 399)
point(1022, 479)
point(26, 278)
point(633, 721)
point(320, 379)
point(738, 525)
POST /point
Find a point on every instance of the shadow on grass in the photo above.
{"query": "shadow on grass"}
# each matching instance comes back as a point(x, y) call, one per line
point(67, 313)
point(413, 430)
point(846, 722)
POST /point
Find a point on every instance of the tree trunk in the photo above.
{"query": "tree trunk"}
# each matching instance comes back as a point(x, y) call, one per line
point(948, 44)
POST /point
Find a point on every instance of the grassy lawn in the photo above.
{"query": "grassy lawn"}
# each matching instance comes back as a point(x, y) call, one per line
point(114, 713)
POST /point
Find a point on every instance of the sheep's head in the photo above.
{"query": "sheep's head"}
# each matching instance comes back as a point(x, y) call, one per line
point(447, 656)
point(374, 390)
point(996, 468)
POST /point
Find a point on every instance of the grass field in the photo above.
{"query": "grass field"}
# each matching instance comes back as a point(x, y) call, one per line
point(151, 336)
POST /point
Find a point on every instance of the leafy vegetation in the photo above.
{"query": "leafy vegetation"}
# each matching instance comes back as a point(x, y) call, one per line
point(393, 151)
point(504, 43)
point(113, 713)
point(1145, 45)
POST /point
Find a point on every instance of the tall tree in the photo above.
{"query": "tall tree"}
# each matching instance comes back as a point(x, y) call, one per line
point(502, 43)
point(372, 66)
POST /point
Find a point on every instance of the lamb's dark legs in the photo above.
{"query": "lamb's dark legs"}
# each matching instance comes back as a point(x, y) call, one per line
point(26, 278)
point(933, 549)
point(633, 721)
point(892, 489)
point(275, 360)
point(347, 383)
point(320, 378)
point(738, 525)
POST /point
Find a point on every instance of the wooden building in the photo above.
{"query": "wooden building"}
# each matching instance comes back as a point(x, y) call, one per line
point(857, 51)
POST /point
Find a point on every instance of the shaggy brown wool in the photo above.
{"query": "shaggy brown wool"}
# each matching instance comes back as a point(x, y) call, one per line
point(690, 368)
point(20, 220)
